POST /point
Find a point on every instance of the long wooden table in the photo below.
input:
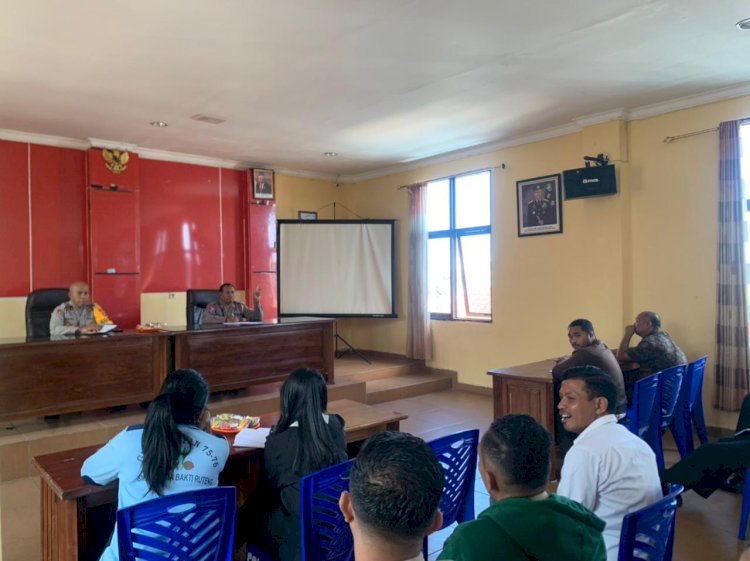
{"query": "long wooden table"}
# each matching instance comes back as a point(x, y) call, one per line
point(77, 518)
point(232, 357)
point(66, 374)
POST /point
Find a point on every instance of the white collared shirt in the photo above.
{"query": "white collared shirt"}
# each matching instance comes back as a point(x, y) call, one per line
point(612, 472)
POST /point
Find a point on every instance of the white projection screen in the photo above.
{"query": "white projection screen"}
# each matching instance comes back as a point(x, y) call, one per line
point(336, 268)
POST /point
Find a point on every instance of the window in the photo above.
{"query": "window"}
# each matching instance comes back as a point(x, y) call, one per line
point(460, 247)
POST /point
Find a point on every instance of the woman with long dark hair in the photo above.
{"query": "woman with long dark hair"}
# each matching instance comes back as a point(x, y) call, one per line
point(306, 439)
point(170, 453)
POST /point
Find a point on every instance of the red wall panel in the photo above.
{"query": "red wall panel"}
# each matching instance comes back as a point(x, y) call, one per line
point(98, 174)
point(58, 201)
point(115, 232)
point(232, 186)
point(180, 234)
point(120, 296)
point(262, 237)
point(14, 220)
point(268, 298)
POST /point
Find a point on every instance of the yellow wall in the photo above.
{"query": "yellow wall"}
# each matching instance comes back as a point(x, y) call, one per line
point(653, 246)
point(13, 312)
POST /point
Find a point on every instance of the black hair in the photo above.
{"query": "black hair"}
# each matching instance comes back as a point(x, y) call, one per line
point(181, 401)
point(395, 485)
point(520, 448)
point(596, 382)
point(654, 318)
point(304, 399)
point(584, 324)
point(221, 288)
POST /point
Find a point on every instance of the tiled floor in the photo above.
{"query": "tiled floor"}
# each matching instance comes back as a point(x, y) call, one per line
point(706, 529)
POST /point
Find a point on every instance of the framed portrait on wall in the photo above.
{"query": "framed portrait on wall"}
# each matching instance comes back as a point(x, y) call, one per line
point(263, 187)
point(539, 206)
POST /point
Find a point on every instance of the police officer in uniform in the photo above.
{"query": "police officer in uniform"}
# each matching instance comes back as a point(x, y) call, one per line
point(77, 315)
point(540, 210)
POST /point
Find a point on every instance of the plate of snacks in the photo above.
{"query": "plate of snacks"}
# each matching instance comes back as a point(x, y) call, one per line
point(229, 423)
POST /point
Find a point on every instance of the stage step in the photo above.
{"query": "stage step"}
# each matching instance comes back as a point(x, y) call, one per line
point(409, 385)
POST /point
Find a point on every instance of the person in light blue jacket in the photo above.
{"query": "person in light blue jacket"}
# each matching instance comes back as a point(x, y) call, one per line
point(170, 453)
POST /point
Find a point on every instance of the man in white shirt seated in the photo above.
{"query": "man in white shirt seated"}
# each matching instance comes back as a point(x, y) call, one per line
point(394, 494)
point(609, 470)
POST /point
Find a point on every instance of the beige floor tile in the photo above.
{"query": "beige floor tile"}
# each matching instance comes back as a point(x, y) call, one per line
point(21, 520)
point(14, 460)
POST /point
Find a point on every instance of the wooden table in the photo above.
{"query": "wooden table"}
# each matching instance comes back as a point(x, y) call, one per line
point(67, 374)
point(233, 357)
point(49, 377)
point(77, 518)
point(526, 388)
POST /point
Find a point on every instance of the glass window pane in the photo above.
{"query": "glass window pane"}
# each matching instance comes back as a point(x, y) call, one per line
point(473, 200)
point(439, 266)
point(473, 277)
point(438, 205)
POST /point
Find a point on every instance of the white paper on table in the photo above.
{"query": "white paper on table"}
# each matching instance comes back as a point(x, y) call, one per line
point(252, 438)
point(107, 327)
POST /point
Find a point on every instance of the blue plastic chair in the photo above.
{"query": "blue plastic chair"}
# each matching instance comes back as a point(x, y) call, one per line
point(648, 533)
point(457, 454)
point(644, 417)
point(196, 524)
point(670, 385)
point(325, 535)
point(689, 409)
point(745, 507)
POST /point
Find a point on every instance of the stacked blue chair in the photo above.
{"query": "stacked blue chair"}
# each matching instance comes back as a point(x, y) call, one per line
point(648, 533)
point(457, 454)
point(644, 417)
point(195, 524)
point(325, 535)
point(670, 385)
point(689, 409)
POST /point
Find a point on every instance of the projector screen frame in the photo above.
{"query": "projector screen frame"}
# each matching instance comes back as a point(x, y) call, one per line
point(391, 222)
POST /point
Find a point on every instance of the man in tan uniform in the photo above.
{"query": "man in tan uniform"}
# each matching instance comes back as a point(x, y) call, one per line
point(226, 310)
point(77, 314)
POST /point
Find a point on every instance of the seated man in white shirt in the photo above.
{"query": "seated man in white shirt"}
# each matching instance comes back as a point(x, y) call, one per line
point(609, 470)
point(394, 494)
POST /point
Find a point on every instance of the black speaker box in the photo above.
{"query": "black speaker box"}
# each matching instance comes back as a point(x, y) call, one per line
point(593, 181)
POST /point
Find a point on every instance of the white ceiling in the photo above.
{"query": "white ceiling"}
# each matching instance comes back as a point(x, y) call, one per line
point(381, 82)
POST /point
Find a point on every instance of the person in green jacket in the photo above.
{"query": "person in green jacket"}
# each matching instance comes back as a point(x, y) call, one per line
point(525, 522)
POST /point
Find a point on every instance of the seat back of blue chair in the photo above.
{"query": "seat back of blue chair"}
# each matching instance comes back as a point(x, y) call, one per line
point(325, 535)
point(644, 417)
point(670, 382)
point(695, 378)
point(457, 454)
point(195, 524)
point(648, 533)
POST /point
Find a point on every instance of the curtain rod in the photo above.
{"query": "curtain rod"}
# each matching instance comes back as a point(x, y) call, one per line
point(669, 139)
point(501, 166)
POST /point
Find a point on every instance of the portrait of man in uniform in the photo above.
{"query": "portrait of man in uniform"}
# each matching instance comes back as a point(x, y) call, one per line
point(539, 208)
point(262, 184)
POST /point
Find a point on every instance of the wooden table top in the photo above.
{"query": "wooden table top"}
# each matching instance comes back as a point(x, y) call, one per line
point(542, 369)
point(62, 470)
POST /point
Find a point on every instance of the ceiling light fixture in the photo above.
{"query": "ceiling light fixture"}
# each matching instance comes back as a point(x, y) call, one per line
point(743, 24)
point(330, 154)
point(160, 124)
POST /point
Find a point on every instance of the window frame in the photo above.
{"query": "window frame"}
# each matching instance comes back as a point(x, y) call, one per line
point(454, 234)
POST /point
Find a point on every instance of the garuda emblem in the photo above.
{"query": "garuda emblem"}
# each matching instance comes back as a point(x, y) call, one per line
point(116, 161)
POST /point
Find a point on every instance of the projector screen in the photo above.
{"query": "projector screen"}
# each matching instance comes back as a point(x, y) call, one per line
point(336, 268)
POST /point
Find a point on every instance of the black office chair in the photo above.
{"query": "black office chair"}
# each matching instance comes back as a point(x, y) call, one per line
point(39, 306)
point(197, 300)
